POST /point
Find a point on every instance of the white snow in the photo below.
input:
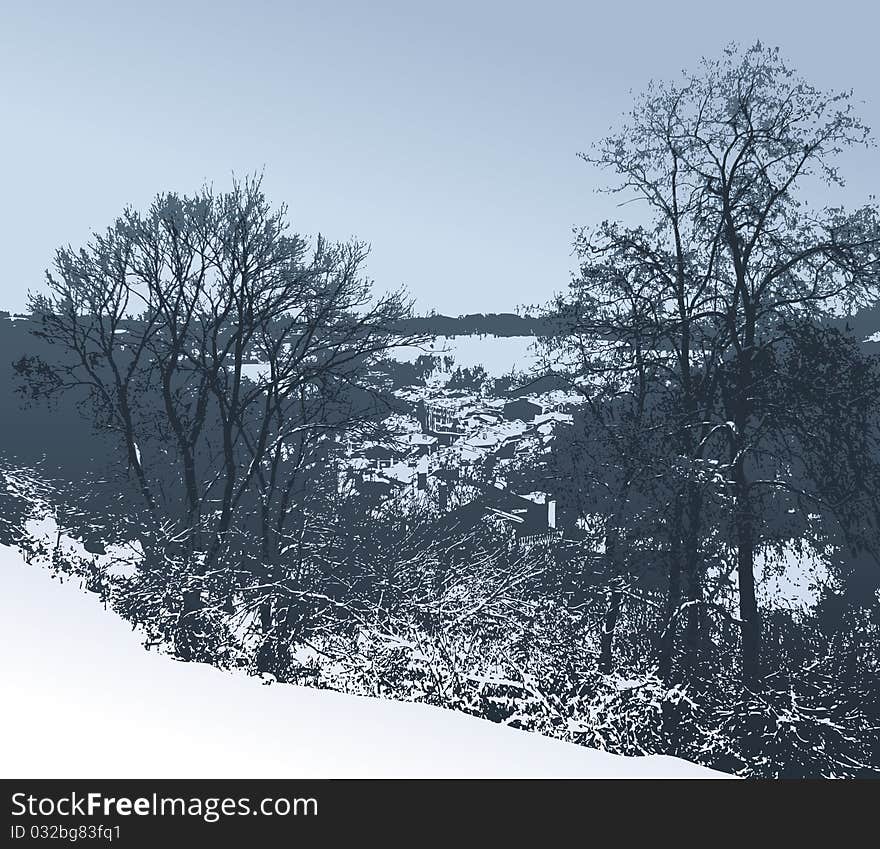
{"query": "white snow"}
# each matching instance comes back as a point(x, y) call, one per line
point(83, 699)
point(497, 354)
point(791, 580)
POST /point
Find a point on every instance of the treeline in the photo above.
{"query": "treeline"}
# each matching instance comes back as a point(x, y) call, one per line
point(490, 324)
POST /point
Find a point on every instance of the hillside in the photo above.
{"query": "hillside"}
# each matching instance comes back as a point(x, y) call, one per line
point(87, 701)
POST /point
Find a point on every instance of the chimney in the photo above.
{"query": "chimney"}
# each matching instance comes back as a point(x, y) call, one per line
point(551, 513)
point(443, 495)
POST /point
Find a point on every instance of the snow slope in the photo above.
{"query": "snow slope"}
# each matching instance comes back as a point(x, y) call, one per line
point(82, 699)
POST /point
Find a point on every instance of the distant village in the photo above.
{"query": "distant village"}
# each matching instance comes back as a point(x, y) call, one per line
point(454, 453)
point(464, 451)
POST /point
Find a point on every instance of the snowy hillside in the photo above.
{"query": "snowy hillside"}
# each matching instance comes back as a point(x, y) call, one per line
point(83, 699)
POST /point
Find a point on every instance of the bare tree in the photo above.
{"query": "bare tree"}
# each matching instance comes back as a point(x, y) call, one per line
point(223, 350)
point(728, 250)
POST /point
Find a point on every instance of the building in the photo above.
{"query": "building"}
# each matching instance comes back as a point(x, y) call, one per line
point(530, 521)
point(523, 409)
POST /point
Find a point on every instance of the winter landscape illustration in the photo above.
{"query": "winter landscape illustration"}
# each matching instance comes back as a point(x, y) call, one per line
point(630, 527)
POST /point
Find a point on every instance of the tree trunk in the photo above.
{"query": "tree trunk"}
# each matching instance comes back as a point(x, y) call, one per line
point(744, 516)
point(694, 576)
point(186, 639)
point(609, 624)
point(615, 575)
point(673, 600)
point(745, 561)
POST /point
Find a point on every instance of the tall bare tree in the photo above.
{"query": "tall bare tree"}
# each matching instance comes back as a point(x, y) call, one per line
point(222, 349)
point(727, 249)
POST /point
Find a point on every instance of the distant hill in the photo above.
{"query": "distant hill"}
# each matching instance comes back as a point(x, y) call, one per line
point(863, 324)
point(489, 324)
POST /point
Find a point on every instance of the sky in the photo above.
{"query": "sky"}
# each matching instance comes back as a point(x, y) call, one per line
point(444, 134)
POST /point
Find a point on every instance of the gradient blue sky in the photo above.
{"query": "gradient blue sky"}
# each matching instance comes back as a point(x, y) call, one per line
point(445, 134)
